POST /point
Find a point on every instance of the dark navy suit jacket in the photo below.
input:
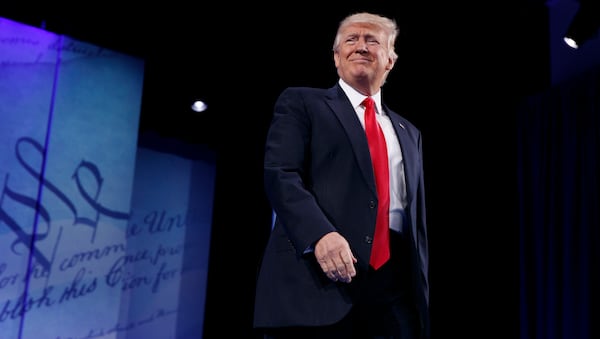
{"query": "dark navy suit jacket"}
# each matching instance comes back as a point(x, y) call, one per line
point(318, 177)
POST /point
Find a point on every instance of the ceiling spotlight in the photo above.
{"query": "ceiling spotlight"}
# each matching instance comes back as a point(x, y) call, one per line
point(199, 106)
point(584, 25)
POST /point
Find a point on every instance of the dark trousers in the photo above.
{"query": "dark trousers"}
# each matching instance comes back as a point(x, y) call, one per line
point(384, 307)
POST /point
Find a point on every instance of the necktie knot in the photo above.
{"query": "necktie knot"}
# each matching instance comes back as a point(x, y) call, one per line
point(369, 104)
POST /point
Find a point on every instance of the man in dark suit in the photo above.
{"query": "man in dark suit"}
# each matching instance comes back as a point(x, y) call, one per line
point(317, 278)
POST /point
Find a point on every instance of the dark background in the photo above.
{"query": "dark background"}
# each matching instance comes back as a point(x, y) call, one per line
point(460, 75)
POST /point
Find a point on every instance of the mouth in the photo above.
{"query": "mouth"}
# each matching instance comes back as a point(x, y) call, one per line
point(361, 60)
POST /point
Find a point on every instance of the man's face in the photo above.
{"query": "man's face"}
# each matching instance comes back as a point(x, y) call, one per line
point(363, 55)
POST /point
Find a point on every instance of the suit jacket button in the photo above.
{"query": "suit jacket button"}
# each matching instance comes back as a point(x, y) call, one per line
point(372, 204)
point(368, 239)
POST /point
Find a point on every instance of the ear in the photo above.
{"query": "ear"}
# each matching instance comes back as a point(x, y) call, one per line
point(390, 64)
point(336, 59)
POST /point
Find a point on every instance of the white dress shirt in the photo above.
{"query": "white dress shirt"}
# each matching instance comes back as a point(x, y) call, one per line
point(397, 179)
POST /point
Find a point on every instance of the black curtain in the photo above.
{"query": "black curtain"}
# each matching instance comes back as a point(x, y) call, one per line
point(559, 210)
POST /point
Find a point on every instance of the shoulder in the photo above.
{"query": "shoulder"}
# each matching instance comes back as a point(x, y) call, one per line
point(313, 97)
point(306, 92)
point(306, 102)
point(403, 122)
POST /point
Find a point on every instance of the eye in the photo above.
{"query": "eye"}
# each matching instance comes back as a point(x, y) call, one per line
point(351, 40)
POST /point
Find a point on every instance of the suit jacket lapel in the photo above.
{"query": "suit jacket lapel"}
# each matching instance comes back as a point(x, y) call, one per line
point(346, 114)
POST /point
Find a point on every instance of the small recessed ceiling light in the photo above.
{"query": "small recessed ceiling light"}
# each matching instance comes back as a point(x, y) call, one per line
point(199, 106)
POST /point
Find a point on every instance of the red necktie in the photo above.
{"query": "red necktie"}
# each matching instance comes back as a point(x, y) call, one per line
point(380, 252)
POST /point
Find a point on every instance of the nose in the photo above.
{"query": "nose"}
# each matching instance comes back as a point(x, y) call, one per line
point(361, 47)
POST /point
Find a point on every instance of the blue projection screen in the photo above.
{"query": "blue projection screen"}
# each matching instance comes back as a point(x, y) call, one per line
point(98, 239)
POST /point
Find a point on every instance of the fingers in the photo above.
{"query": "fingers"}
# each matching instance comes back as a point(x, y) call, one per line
point(341, 273)
point(344, 269)
point(337, 274)
point(335, 258)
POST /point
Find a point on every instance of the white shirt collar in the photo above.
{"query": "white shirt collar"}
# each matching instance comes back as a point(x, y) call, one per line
point(357, 98)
